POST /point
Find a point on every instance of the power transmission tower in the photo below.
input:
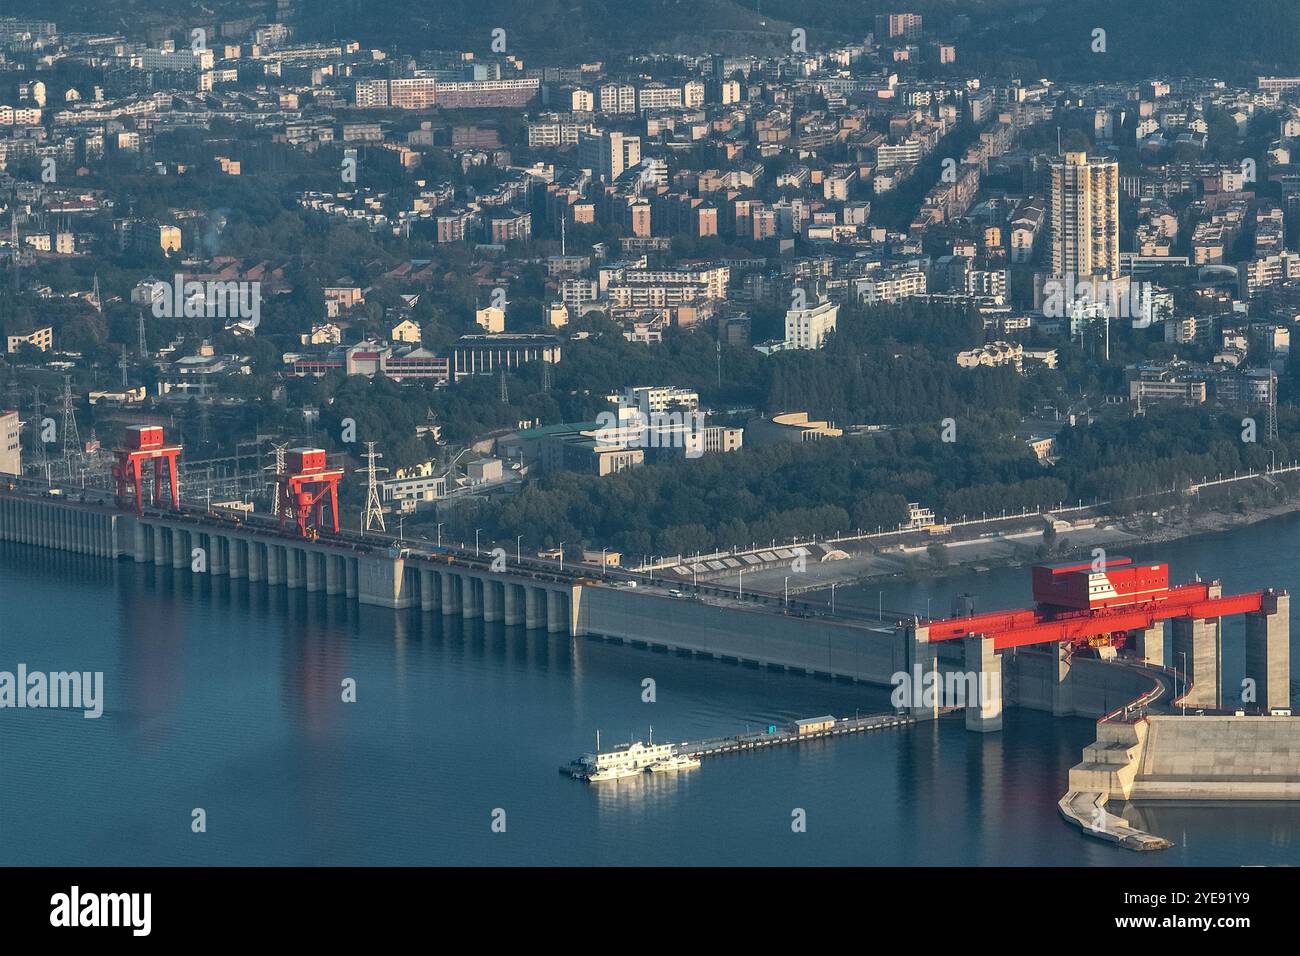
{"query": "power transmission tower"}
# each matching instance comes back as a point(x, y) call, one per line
point(546, 376)
point(144, 348)
point(71, 438)
point(123, 364)
point(374, 513)
point(95, 299)
point(505, 389)
point(38, 439)
point(1272, 407)
point(279, 451)
point(13, 222)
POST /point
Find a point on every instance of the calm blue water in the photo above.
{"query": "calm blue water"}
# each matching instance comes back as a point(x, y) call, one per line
point(226, 696)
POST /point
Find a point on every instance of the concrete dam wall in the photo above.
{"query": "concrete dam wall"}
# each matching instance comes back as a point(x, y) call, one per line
point(1069, 687)
point(732, 631)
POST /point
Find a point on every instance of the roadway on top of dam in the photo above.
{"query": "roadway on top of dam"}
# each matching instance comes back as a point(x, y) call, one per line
point(477, 559)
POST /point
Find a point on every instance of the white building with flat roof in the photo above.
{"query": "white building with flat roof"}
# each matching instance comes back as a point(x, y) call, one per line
point(808, 328)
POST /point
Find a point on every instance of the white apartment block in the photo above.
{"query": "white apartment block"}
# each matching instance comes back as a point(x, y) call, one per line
point(656, 96)
point(808, 328)
point(617, 98)
point(891, 286)
point(557, 131)
point(648, 289)
point(574, 292)
point(907, 153)
point(371, 94)
point(652, 399)
point(180, 61)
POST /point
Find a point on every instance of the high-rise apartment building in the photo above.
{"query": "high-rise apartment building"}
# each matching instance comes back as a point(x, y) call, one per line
point(1085, 217)
point(608, 155)
point(893, 26)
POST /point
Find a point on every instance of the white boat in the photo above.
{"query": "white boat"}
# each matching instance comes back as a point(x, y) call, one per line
point(613, 773)
point(624, 761)
point(675, 762)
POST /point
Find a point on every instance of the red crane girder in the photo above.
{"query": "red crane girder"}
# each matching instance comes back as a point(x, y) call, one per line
point(1029, 626)
point(989, 623)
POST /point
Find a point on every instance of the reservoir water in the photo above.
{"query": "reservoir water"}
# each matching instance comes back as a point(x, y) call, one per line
point(227, 696)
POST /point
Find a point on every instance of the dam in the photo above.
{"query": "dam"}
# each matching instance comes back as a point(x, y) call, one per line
point(1035, 658)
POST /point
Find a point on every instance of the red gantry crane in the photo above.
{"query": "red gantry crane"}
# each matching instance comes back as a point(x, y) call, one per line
point(145, 443)
point(306, 483)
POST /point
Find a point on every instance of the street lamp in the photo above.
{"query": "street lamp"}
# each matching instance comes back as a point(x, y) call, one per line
point(787, 591)
point(476, 531)
point(832, 598)
point(561, 555)
point(440, 524)
point(519, 548)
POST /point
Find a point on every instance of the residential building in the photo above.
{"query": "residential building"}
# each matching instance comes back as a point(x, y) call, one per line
point(1084, 209)
point(41, 338)
point(608, 154)
point(808, 328)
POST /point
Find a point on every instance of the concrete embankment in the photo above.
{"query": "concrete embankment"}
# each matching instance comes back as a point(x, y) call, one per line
point(1211, 758)
point(1218, 758)
point(1087, 810)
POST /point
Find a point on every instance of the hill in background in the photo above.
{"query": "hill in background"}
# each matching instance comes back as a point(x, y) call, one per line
point(1005, 37)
